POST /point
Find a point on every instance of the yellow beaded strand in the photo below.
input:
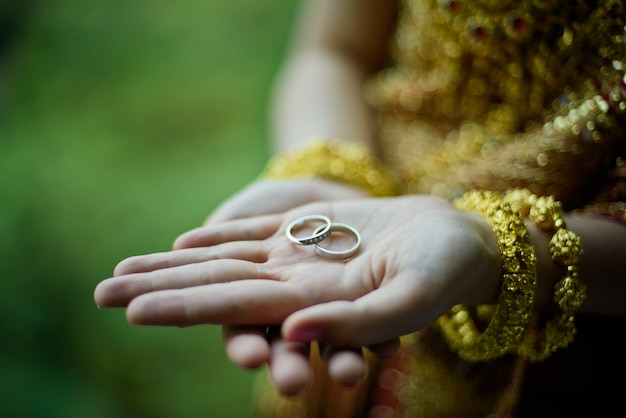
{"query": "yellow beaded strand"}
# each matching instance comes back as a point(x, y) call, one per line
point(569, 292)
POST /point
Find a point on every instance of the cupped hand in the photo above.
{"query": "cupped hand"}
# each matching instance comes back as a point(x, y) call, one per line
point(419, 257)
point(248, 346)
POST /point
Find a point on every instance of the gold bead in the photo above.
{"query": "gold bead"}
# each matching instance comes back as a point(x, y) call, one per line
point(565, 247)
point(569, 293)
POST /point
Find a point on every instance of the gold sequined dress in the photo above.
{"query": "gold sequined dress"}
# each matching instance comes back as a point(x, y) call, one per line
point(495, 94)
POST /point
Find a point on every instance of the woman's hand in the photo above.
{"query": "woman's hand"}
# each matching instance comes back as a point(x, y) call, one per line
point(420, 256)
point(249, 346)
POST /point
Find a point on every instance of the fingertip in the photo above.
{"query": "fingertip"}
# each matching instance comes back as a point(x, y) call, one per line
point(191, 239)
point(248, 351)
point(160, 308)
point(332, 322)
point(98, 296)
point(290, 383)
point(347, 367)
point(179, 242)
point(188, 239)
point(110, 293)
point(215, 218)
point(302, 325)
point(117, 292)
point(289, 367)
point(302, 333)
point(130, 265)
point(134, 312)
point(123, 267)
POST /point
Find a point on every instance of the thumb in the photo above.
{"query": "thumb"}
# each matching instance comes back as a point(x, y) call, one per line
point(382, 315)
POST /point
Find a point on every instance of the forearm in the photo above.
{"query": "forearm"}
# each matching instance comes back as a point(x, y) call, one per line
point(336, 47)
point(318, 94)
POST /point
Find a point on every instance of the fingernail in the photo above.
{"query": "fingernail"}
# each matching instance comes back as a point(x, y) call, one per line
point(304, 335)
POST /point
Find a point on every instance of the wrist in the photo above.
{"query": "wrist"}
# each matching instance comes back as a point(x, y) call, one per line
point(510, 317)
point(508, 330)
point(548, 272)
point(489, 272)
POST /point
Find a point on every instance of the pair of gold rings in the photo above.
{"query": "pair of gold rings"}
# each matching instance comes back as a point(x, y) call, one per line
point(322, 232)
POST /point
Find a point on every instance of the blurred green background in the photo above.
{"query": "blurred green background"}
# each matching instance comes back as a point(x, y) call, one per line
point(122, 124)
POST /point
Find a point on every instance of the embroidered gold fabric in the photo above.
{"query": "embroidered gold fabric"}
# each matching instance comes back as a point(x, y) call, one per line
point(492, 95)
point(497, 94)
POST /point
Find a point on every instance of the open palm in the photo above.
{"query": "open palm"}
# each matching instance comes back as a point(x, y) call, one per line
point(419, 257)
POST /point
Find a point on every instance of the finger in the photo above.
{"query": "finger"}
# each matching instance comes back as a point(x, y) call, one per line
point(249, 229)
point(347, 366)
point(241, 250)
point(245, 302)
point(289, 366)
point(385, 349)
point(381, 315)
point(119, 291)
point(232, 210)
point(246, 346)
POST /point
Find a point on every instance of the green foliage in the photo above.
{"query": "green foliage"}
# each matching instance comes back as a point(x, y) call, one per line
point(122, 124)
